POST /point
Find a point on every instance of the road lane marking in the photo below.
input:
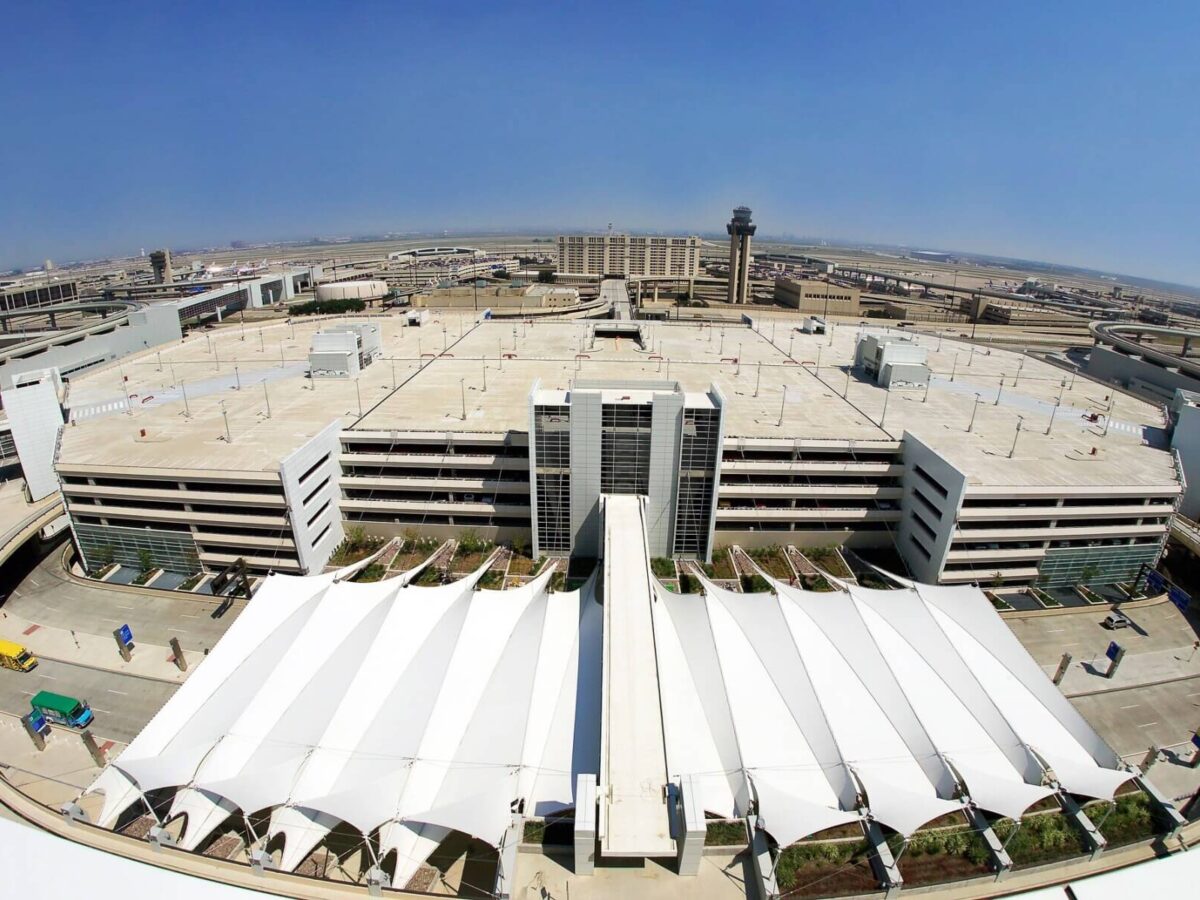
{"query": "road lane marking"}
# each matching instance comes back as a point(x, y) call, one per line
point(1147, 725)
point(44, 675)
point(180, 630)
point(122, 693)
point(187, 616)
point(99, 710)
point(1131, 706)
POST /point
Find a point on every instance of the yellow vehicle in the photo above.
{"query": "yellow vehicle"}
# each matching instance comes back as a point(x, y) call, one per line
point(14, 656)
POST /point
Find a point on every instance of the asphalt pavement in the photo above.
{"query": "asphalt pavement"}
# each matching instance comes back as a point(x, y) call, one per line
point(122, 704)
point(45, 594)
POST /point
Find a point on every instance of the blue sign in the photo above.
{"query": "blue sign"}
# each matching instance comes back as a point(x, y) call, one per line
point(38, 722)
point(1113, 649)
point(1196, 739)
point(1180, 598)
point(487, 314)
point(126, 635)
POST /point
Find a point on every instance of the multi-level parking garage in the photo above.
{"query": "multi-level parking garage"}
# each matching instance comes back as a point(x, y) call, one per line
point(999, 470)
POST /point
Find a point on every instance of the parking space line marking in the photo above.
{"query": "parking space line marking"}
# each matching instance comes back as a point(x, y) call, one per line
point(122, 693)
point(1131, 706)
point(1147, 725)
point(99, 710)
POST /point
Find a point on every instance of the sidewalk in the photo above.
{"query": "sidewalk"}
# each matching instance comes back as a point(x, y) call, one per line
point(96, 651)
point(1086, 675)
point(55, 775)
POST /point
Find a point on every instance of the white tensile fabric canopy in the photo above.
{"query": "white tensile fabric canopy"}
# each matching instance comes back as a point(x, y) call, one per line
point(412, 712)
point(900, 701)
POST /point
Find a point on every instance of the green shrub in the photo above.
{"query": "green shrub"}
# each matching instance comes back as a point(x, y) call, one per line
point(663, 567)
point(327, 307)
point(754, 584)
point(725, 834)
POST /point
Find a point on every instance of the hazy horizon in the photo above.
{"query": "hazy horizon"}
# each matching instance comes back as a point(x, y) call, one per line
point(1055, 134)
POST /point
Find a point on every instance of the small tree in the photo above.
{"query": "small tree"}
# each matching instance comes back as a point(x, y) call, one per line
point(997, 580)
point(520, 546)
point(547, 276)
point(145, 560)
point(1089, 573)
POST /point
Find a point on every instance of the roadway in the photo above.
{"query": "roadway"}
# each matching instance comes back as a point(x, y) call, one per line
point(45, 594)
point(122, 704)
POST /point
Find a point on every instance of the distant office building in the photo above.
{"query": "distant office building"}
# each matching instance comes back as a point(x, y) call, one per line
point(21, 295)
point(160, 260)
point(740, 231)
point(625, 254)
point(818, 297)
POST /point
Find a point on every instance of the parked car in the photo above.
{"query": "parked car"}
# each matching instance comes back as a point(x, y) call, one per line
point(1115, 620)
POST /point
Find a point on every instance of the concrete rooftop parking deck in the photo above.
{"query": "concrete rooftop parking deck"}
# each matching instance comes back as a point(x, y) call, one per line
point(439, 372)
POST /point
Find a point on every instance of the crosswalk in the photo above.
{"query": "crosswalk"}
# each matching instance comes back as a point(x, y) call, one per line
point(1125, 427)
point(79, 413)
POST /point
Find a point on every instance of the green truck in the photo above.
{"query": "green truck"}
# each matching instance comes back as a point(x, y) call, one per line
point(62, 710)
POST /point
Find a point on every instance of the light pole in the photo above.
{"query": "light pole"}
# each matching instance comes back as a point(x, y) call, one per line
point(758, 378)
point(999, 391)
point(225, 416)
point(462, 386)
point(1020, 366)
point(782, 404)
point(484, 361)
point(238, 376)
point(267, 397)
point(954, 367)
point(974, 409)
point(883, 415)
point(187, 412)
point(358, 393)
point(1013, 448)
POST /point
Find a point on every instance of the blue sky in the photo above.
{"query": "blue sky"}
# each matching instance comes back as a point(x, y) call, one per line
point(1058, 131)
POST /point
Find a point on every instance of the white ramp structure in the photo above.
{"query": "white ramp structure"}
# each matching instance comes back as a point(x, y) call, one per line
point(410, 713)
point(634, 818)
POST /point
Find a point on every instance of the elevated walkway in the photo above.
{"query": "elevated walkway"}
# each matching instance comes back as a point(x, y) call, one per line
point(634, 816)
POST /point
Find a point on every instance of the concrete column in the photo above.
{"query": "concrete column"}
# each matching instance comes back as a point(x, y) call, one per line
point(764, 863)
point(1164, 805)
point(689, 826)
point(585, 824)
point(882, 862)
point(1091, 834)
point(744, 270)
point(731, 294)
point(1001, 861)
point(506, 870)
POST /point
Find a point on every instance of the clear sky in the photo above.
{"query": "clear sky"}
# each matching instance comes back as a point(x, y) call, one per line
point(1060, 131)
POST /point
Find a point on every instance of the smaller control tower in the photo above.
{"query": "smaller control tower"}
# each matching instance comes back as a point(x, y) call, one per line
point(740, 230)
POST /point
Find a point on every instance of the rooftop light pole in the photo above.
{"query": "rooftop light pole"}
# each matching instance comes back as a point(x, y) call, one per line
point(883, 415)
point(462, 386)
point(974, 409)
point(187, 412)
point(238, 376)
point(484, 361)
point(1020, 366)
point(1013, 448)
point(782, 404)
point(999, 391)
point(267, 397)
point(358, 393)
point(758, 378)
point(225, 415)
point(954, 367)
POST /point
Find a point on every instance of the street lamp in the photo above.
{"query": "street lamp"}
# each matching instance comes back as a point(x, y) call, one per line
point(1013, 448)
point(974, 409)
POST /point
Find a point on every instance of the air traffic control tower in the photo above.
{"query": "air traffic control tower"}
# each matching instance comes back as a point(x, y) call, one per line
point(740, 231)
